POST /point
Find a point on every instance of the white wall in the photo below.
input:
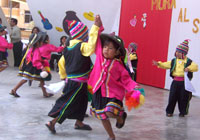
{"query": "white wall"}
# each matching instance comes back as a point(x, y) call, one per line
point(55, 10)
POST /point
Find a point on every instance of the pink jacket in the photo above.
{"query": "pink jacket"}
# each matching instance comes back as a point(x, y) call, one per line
point(35, 58)
point(110, 75)
point(4, 44)
point(47, 49)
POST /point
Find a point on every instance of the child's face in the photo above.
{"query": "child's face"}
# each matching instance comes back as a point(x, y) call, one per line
point(179, 55)
point(109, 51)
point(63, 39)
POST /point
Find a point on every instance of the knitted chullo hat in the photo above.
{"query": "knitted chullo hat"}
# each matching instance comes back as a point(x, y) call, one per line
point(78, 30)
point(183, 47)
point(133, 46)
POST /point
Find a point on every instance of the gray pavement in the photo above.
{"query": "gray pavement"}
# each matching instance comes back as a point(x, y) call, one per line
point(24, 118)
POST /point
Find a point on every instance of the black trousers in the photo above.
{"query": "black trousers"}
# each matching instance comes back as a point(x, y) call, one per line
point(180, 95)
point(17, 52)
point(54, 57)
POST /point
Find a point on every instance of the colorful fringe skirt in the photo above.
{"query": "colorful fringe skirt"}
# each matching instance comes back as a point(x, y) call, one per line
point(30, 72)
point(100, 105)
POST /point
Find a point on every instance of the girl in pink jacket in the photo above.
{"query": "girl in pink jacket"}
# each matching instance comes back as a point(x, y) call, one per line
point(108, 82)
point(3, 46)
point(33, 65)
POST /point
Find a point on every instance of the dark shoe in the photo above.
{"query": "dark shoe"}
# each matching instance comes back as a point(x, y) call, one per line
point(49, 95)
point(169, 115)
point(14, 94)
point(181, 115)
point(111, 138)
point(51, 128)
point(84, 127)
point(86, 115)
point(118, 125)
point(30, 82)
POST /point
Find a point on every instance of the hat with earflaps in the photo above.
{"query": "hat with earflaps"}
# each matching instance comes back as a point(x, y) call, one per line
point(78, 30)
point(183, 47)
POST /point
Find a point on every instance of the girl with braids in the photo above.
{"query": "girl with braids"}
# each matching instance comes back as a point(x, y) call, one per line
point(108, 82)
point(33, 65)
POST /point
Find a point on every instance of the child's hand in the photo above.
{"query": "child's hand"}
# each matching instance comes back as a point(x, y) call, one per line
point(97, 21)
point(155, 63)
point(137, 86)
point(186, 69)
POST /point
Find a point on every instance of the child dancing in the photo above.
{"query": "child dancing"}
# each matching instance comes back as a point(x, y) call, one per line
point(3, 46)
point(33, 65)
point(108, 82)
point(178, 65)
point(75, 65)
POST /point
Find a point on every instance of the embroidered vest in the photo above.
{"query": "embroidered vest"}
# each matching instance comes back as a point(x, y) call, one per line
point(173, 65)
point(76, 64)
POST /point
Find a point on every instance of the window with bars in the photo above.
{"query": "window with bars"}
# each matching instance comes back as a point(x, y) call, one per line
point(28, 18)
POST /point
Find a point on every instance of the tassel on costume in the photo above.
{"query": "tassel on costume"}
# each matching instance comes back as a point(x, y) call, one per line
point(134, 99)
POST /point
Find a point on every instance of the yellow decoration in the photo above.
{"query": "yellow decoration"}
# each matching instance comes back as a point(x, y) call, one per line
point(59, 29)
point(89, 16)
point(197, 28)
point(185, 20)
point(180, 17)
point(163, 4)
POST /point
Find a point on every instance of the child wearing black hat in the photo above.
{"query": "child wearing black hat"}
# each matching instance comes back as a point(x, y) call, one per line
point(3, 46)
point(180, 64)
point(108, 82)
point(33, 64)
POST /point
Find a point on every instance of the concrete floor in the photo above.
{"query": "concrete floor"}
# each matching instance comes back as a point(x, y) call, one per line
point(24, 118)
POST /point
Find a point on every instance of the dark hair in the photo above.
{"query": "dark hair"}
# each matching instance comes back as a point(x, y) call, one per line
point(14, 20)
point(121, 50)
point(36, 29)
point(61, 40)
point(46, 39)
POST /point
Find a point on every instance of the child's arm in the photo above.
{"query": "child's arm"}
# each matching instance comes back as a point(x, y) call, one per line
point(126, 80)
point(163, 65)
point(5, 44)
point(56, 49)
point(192, 68)
point(36, 59)
point(88, 48)
point(61, 65)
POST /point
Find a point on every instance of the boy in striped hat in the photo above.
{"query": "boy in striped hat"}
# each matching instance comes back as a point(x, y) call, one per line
point(180, 64)
point(74, 67)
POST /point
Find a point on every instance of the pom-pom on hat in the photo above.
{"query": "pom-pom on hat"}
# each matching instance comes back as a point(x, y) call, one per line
point(183, 47)
point(78, 30)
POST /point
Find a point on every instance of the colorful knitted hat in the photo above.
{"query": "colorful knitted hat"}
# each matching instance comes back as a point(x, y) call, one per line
point(78, 30)
point(133, 46)
point(183, 47)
